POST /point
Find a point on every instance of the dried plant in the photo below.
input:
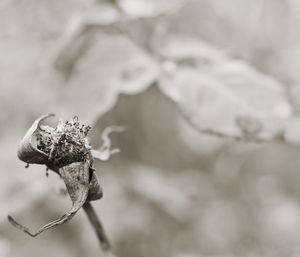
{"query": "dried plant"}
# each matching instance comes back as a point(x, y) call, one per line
point(66, 150)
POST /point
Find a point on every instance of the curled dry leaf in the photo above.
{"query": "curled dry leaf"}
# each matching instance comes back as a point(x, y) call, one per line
point(95, 190)
point(105, 151)
point(27, 152)
point(66, 150)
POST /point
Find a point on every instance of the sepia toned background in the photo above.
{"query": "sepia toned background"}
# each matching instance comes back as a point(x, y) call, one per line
point(197, 84)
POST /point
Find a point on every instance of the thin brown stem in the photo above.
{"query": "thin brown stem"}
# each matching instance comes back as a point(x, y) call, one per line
point(97, 225)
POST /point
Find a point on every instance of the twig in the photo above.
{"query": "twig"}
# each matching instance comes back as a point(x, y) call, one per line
point(97, 225)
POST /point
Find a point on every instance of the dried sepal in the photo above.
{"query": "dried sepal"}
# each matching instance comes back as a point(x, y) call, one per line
point(95, 190)
point(105, 151)
point(52, 224)
point(76, 178)
point(27, 152)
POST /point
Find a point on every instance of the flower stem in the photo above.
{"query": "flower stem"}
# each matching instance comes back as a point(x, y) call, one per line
point(97, 225)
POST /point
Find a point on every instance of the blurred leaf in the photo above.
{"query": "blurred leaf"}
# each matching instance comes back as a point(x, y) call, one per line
point(79, 34)
point(156, 132)
point(113, 65)
point(224, 94)
point(292, 130)
point(149, 9)
point(5, 247)
point(137, 74)
point(166, 192)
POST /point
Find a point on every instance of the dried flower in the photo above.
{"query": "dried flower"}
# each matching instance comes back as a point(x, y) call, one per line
point(66, 150)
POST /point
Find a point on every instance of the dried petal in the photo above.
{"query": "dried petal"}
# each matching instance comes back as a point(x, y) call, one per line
point(76, 178)
point(27, 152)
point(95, 190)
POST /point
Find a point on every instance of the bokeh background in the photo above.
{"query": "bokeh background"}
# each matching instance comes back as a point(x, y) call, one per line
point(172, 191)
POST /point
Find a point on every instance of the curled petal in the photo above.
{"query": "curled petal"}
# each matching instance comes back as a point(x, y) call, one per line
point(76, 178)
point(95, 190)
point(27, 152)
point(105, 151)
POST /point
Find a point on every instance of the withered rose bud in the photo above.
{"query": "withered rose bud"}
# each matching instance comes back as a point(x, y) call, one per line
point(66, 150)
